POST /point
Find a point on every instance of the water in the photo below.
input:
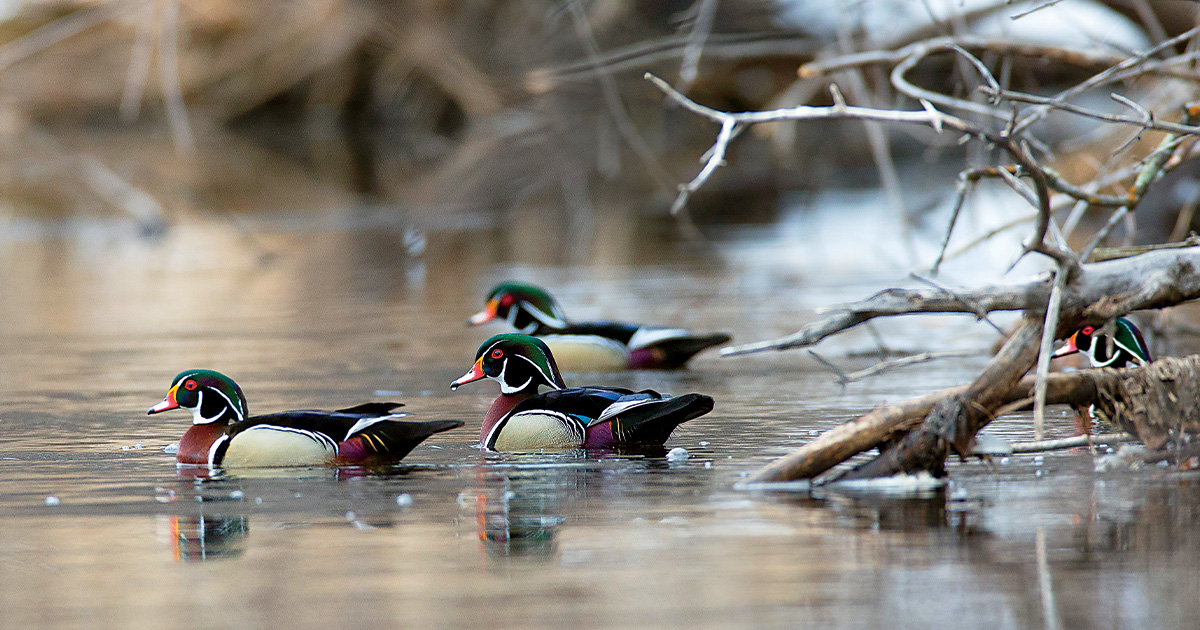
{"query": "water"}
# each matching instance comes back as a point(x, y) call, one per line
point(99, 529)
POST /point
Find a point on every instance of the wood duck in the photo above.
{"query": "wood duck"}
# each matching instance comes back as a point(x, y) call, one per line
point(1125, 348)
point(591, 346)
point(521, 419)
point(223, 434)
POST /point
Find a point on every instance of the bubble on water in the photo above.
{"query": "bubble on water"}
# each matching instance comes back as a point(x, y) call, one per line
point(1039, 473)
point(52, 501)
point(1038, 460)
point(257, 500)
point(388, 392)
point(677, 454)
point(1003, 460)
point(708, 464)
point(138, 446)
point(171, 449)
point(704, 442)
point(404, 500)
point(237, 494)
point(508, 495)
point(297, 495)
point(124, 448)
point(351, 516)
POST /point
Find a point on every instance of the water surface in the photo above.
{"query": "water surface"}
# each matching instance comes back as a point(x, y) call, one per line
point(99, 529)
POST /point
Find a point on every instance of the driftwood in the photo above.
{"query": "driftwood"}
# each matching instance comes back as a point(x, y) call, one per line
point(920, 434)
point(1155, 403)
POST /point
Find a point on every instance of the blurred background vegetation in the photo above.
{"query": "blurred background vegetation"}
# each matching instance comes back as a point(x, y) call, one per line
point(154, 109)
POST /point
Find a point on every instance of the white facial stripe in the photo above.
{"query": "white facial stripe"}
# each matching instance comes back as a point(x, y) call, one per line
point(232, 406)
point(549, 378)
point(196, 417)
point(505, 388)
point(553, 321)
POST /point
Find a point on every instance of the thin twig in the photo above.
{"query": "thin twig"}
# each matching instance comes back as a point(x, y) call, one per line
point(612, 97)
point(1058, 444)
point(690, 68)
point(168, 75)
point(1049, 330)
point(980, 314)
point(892, 364)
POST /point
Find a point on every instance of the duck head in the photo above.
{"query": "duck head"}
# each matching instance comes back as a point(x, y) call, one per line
point(1124, 348)
point(527, 308)
point(210, 396)
point(520, 364)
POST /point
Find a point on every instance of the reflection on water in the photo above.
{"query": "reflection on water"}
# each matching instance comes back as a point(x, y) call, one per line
point(93, 323)
point(202, 538)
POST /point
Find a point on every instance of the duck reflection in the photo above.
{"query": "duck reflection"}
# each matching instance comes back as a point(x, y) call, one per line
point(520, 504)
point(199, 538)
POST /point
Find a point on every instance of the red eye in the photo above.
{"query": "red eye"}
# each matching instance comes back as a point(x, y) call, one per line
point(497, 353)
point(507, 300)
point(1087, 330)
point(190, 386)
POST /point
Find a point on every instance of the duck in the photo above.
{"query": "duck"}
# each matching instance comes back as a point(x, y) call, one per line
point(1125, 348)
point(591, 346)
point(223, 434)
point(523, 419)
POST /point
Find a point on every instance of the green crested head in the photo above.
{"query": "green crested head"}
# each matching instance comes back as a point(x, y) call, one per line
point(209, 395)
point(520, 364)
point(1124, 347)
point(527, 308)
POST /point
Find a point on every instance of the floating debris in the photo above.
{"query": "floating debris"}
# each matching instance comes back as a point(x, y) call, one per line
point(988, 444)
point(677, 454)
point(172, 448)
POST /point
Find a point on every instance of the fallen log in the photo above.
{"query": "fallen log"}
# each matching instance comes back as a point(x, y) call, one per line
point(1157, 403)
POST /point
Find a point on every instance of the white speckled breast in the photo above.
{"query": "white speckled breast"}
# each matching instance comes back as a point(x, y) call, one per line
point(587, 353)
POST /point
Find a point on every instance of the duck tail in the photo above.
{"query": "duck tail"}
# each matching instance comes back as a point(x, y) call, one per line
point(653, 424)
point(390, 440)
point(673, 353)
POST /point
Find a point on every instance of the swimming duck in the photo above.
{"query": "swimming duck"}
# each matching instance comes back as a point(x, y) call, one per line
point(223, 434)
point(1126, 347)
point(521, 419)
point(591, 346)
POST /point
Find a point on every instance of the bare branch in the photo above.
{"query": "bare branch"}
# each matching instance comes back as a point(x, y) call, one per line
point(1100, 292)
